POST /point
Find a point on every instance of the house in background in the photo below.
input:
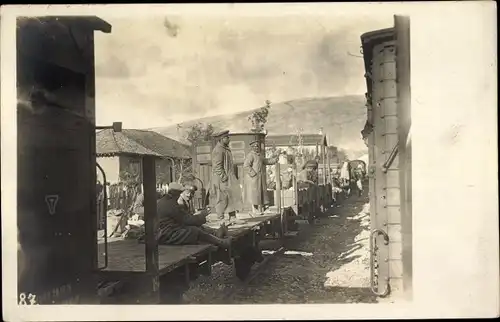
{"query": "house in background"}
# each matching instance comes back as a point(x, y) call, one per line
point(117, 154)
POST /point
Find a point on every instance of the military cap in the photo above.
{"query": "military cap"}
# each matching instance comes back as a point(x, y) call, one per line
point(175, 186)
point(190, 187)
point(254, 141)
point(220, 133)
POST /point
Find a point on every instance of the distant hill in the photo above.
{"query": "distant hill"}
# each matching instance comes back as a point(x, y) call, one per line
point(342, 119)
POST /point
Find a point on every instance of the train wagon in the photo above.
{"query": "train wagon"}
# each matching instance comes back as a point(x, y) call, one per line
point(253, 229)
point(60, 258)
point(294, 202)
point(306, 201)
point(386, 57)
point(56, 167)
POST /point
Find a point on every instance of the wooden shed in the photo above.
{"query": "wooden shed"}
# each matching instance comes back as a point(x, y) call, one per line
point(118, 153)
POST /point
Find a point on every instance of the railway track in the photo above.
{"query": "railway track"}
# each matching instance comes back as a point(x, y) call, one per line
point(238, 284)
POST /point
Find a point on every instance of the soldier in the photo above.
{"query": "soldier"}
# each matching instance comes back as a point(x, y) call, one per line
point(358, 177)
point(225, 190)
point(177, 226)
point(307, 176)
point(255, 185)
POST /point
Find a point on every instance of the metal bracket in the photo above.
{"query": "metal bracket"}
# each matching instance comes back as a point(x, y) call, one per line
point(391, 158)
point(116, 127)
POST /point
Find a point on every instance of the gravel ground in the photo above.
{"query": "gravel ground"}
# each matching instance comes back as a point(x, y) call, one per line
point(333, 267)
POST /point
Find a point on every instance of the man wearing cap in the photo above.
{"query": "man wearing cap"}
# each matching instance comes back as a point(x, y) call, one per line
point(225, 190)
point(358, 177)
point(307, 175)
point(255, 184)
point(178, 227)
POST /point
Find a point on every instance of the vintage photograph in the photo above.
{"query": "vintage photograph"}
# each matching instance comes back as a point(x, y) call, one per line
point(213, 159)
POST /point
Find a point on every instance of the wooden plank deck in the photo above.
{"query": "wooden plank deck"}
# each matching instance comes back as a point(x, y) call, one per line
point(130, 256)
point(250, 222)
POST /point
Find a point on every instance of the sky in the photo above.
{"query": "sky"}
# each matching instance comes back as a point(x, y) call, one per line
point(162, 70)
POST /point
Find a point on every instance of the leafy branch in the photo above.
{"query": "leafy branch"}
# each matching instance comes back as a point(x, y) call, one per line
point(198, 132)
point(258, 118)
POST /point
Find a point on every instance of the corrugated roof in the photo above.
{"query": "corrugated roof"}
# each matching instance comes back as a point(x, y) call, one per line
point(139, 142)
point(292, 139)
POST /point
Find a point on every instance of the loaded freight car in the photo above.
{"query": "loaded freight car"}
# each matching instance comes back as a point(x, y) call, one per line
point(251, 229)
point(386, 56)
point(308, 201)
point(56, 158)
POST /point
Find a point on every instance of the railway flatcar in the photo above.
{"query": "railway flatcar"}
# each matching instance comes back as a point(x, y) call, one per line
point(293, 201)
point(306, 201)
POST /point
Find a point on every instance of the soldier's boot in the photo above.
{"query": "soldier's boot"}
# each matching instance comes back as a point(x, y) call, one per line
point(224, 243)
point(222, 231)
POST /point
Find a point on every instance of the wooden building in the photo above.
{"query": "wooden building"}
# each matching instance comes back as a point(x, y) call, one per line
point(118, 154)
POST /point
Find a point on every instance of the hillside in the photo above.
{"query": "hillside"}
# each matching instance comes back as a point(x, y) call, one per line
point(341, 118)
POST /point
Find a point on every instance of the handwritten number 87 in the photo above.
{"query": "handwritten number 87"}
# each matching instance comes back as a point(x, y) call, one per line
point(24, 301)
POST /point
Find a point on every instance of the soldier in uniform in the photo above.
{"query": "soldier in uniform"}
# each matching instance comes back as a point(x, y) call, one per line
point(307, 175)
point(225, 190)
point(255, 185)
point(177, 226)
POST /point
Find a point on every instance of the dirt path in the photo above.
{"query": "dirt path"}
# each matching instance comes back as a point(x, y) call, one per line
point(328, 264)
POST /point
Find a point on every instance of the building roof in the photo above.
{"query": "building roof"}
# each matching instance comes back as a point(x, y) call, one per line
point(292, 139)
point(139, 142)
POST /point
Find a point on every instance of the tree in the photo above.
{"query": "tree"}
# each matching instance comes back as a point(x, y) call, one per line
point(195, 133)
point(183, 170)
point(258, 119)
point(199, 132)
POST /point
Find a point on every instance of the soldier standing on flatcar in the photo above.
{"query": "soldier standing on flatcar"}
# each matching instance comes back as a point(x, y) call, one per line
point(255, 186)
point(225, 190)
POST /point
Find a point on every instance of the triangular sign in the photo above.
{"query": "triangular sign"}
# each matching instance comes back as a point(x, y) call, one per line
point(51, 201)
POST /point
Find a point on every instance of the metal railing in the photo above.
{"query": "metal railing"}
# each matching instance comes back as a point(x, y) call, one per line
point(104, 210)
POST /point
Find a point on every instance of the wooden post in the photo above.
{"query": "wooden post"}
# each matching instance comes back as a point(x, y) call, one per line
point(328, 164)
point(151, 223)
point(278, 195)
point(323, 159)
point(295, 192)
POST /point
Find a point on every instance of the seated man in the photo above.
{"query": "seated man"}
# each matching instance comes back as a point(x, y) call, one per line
point(178, 227)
